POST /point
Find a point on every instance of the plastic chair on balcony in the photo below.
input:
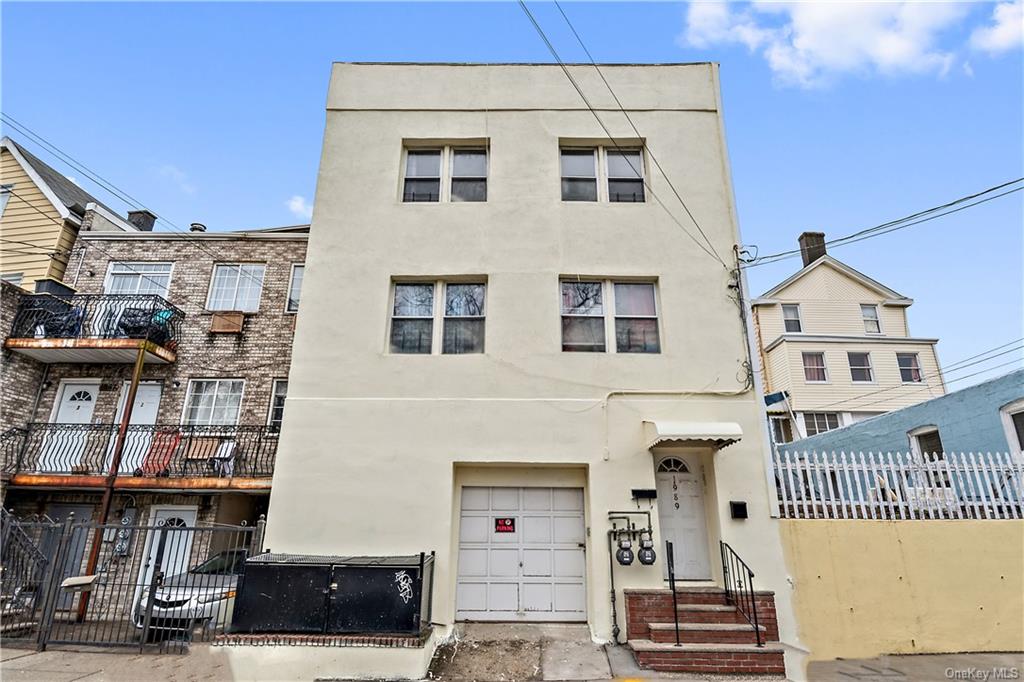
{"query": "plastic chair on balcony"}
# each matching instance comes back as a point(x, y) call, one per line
point(161, 450)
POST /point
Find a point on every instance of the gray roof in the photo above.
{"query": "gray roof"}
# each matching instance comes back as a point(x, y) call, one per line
point(71, 195)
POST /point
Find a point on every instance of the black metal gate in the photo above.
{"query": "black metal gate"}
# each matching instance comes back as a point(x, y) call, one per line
point(156, 587)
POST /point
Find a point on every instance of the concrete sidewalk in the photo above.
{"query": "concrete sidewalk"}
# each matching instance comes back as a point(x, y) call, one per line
point(537, 653)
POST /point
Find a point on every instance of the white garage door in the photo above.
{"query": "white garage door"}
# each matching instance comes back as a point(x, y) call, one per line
point(521, 555)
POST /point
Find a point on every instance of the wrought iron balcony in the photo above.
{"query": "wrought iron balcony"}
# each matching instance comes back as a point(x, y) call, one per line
point(157, 456)
point(95, 327)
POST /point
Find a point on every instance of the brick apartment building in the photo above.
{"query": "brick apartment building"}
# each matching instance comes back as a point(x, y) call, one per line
point(213, 314)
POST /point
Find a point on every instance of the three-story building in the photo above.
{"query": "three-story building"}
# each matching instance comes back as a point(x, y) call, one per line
point(836, 347)
point(512, 342)
point(207, 320)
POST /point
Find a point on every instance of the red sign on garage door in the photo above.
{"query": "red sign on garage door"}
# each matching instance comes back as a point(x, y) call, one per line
point(504, 525)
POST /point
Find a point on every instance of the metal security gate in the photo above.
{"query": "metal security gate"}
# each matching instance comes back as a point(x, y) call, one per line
point(156, 587)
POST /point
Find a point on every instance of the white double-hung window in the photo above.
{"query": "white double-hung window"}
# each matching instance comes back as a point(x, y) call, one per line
point(138, 278)
point(211, 402)
point(236, 286)
point(872, 325)
point(618, 171)
point(586, 326)
point(791, 317)
point(448, 173)
point(428, 315)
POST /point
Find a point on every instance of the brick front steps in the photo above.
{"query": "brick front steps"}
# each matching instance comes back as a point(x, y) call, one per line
point(714, 636)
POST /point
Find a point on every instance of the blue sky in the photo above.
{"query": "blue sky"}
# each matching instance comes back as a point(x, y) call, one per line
point(838, 117)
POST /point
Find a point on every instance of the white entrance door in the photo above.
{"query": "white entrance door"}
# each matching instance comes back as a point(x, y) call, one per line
point(177, 551)
point(65, 448)
point(144, 412)
point(521, 555)
point(681, 512)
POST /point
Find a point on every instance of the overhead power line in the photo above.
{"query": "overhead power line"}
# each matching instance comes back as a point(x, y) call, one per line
point(650, 152)
point(611, 138)
point(924, 216)
point(110, 187)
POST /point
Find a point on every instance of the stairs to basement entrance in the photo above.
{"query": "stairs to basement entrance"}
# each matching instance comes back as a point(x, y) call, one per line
point(714, 636)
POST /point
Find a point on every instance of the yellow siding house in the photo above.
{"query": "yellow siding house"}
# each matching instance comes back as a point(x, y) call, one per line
point(41, 214)
point(839, 345)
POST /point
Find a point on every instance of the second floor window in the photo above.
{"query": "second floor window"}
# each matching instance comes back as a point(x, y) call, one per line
point(236, 286)
point(295, 288)
point(870, 315)
point(445, 174)
point(791, 317)
point(584, 321)
point(860, 367)
point(910, 368)
point(277, 398)
point(138, 278)
point(415, 317)
point(814, 368)
point(212, 402)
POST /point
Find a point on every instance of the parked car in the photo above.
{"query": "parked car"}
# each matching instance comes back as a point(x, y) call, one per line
point(203, 595)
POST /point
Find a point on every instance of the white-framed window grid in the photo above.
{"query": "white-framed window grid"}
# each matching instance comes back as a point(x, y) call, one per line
point(437, 317)
point(1012, 416)
point(457, 178)
point(278, 394)
point(820, 422)
point(815, 367)
point(872, 321)
point(5, 196)
point(138, 277)
point(861, 371)
point(791, 320)
point(213, 402)
point(910, 368)
point(609, 178)
point(627, 326)
point(291, 302)
point(236, 286)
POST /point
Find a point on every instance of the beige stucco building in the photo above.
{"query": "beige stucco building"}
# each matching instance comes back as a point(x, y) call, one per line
point(838, 343)
point(473, 229)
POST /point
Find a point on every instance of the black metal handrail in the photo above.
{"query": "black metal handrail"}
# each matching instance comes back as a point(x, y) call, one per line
point(160, 450)
point(739, 587)
point(98, 316)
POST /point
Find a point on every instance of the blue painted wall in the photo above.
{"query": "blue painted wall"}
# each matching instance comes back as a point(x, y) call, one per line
point(968, 421)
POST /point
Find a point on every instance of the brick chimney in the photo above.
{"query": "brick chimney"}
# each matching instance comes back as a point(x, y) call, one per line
point(142, 219)
point(812, 246)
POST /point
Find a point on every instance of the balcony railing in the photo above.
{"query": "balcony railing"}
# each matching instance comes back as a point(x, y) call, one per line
point(156, 451)
point(98, 316)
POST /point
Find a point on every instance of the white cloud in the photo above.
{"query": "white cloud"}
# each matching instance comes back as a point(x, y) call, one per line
point(73, 180)
point(1006, 30)
point(178, 177)
point(298, 206)
point(968, 69)
point(810, 44)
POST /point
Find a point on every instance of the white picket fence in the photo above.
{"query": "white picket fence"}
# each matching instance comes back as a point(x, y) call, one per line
point(899, 485)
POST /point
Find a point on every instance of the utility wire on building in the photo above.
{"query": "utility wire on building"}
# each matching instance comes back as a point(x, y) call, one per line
point(924, 216)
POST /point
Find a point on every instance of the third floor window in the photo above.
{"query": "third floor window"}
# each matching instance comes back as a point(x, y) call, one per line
point(791, 317)
point(602, 174)
point(445, 174)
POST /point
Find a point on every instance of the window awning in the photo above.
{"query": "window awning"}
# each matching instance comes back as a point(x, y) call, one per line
point(719, 434)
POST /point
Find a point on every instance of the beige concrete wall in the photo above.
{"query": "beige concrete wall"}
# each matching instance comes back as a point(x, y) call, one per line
point(376, 446)
point(865, 588)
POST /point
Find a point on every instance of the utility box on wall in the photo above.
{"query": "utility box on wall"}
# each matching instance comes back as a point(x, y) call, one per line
point(293, 593)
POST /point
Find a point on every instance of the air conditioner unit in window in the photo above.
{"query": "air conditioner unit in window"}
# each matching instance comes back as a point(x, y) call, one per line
point(226, 322)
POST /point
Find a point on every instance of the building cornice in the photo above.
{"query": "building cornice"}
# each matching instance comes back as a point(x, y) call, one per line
point(198, 236)
point(828, 338)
